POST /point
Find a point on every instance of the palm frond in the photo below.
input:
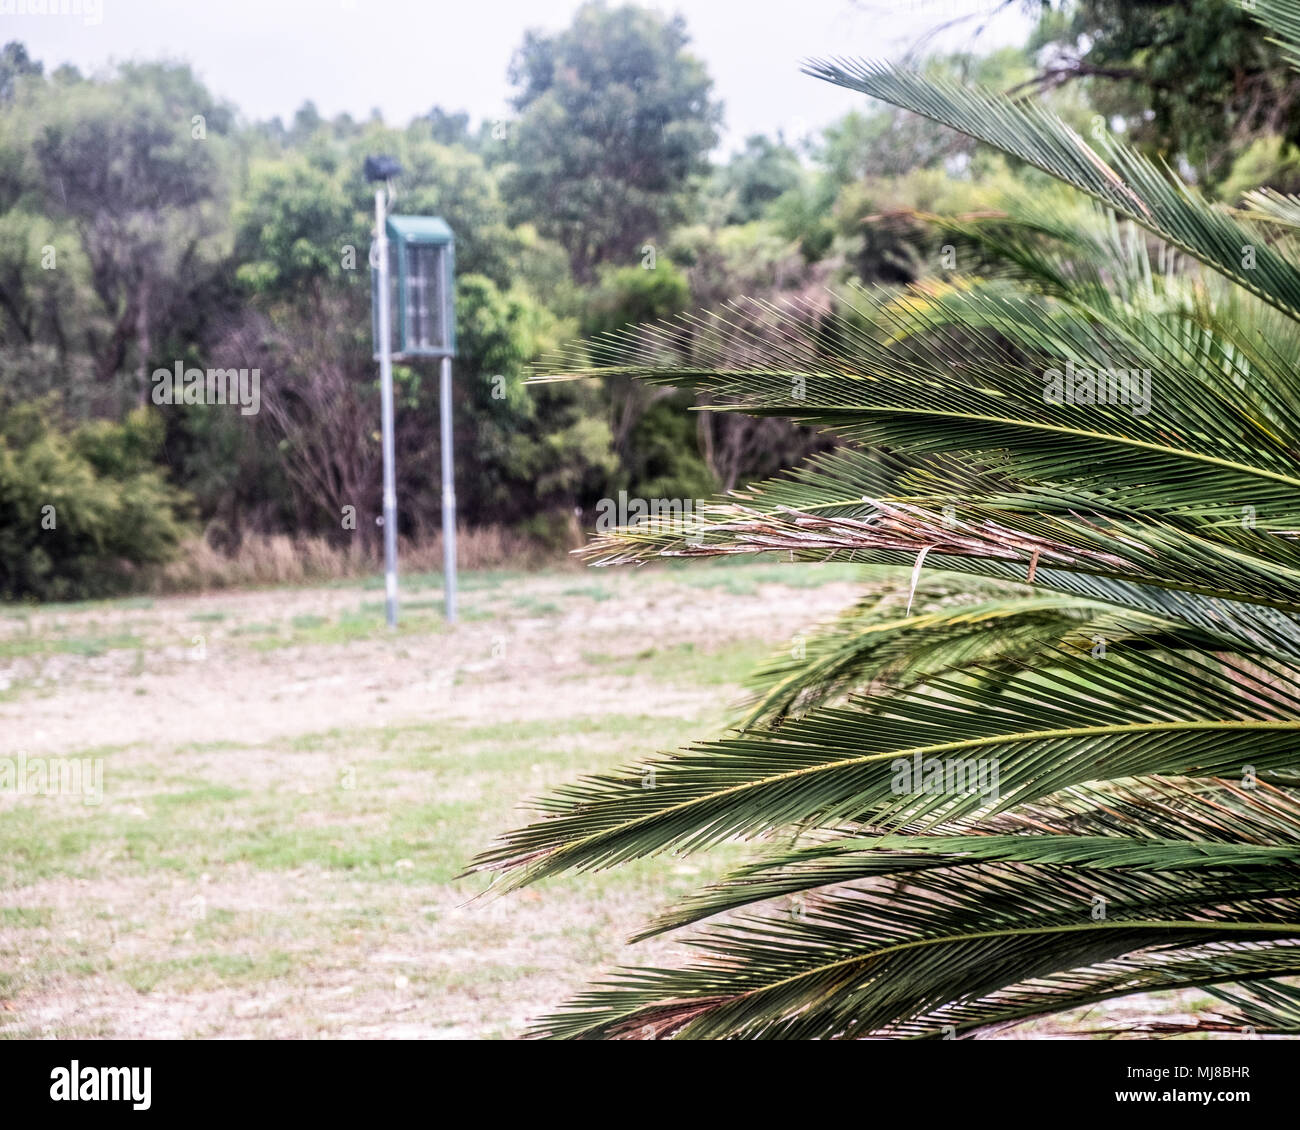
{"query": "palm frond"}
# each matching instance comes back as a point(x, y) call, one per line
point(1144, 825)
point(983, 373)
point(1264, 1007)
point(1036, 893)
point(860, 648)
point(863, 651)
point(961, 790)
point(1075, 251)
point(1078, 721)
point(1274, 207)
point(963, 950)
point(835, 508)
point(1282, 18)
point(1130, 184)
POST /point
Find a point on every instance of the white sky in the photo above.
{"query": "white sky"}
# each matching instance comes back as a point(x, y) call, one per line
point(405, 56)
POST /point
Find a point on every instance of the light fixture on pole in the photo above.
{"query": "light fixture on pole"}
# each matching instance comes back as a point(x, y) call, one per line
point(414, 316)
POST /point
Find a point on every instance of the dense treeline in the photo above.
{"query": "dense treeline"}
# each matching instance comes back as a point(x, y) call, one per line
point(146, 224)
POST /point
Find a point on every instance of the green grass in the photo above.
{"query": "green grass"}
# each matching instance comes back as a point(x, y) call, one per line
point(685, 664)
point(210, 970)
point(468, 581)
point(17, 647)
point(254, 629)
point(26, 917)
point(592, 592)
point(531, 606)
point(207, 794)
point(367, 624)
point(26, 688)
point(312, 851)
point(394, 812)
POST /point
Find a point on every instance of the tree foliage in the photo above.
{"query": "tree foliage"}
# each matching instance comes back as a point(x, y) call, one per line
point(614, 119)
point(1185, 77)
point(80, 511)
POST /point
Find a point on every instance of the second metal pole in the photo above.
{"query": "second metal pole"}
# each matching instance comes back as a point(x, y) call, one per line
point(448, 494)
point(386, 418)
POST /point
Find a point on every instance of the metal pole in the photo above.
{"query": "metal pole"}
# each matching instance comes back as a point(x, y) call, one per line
point(448, 494)
point(386, 418)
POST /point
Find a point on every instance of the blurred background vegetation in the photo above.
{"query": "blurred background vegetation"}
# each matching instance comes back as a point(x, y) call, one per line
point(144, 222)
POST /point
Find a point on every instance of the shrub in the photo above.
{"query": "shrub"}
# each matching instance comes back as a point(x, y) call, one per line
point(80, 511)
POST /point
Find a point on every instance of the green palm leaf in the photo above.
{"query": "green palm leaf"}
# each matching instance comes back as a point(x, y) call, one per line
point(862, 650)
point(1282, 17)
point(1130, 185)
point(1083, 720)
point(854, 964)
point(970, 817)
point(1064, 830)
point(1267, 1007)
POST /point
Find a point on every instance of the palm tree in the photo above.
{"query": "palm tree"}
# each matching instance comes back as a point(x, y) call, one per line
point(1081, 783)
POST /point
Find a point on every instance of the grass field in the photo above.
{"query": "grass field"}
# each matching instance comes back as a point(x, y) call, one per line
point(289, 791)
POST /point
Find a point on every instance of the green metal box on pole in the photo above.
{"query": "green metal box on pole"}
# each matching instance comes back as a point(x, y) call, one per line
point(421, 271)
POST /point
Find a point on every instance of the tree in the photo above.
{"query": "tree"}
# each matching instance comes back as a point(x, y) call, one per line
point(763, 170)
point(135, 166)
point(652, 440)
point(884, 141)
point(1182, 76)
point(521, 451)
point(1063, 793)
point(614, 119)
point(303, 231)
point(15, 63)
point(447, 128)
point(292, 226)
point(81, 510)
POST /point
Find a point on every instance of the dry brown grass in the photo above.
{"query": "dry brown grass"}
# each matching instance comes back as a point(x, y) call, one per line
point(277, 559)
point(286, 813)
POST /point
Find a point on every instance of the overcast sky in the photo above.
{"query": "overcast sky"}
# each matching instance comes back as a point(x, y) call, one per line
point(404, 56)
